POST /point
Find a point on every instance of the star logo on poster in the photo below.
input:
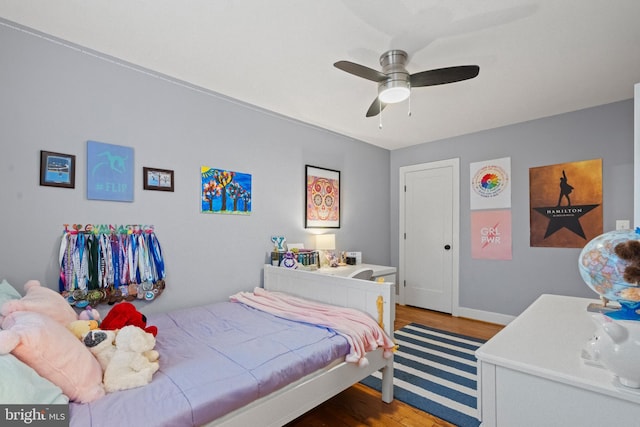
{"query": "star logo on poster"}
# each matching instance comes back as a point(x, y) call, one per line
point(565, 217)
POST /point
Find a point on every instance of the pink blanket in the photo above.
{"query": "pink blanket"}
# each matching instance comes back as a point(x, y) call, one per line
point(361, 331)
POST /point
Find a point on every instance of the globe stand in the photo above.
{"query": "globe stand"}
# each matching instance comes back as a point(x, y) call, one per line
point(627, 311)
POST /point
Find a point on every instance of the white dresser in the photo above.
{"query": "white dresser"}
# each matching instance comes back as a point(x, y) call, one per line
point(531, 373)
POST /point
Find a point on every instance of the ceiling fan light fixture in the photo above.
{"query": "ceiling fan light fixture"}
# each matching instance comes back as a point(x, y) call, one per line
point(393, 92)
point(395, 83)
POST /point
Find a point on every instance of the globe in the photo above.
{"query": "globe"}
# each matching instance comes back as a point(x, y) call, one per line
point(603, 271)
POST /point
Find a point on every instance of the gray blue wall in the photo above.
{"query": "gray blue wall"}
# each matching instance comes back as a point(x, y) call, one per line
point(508, 287)
point(55, 98)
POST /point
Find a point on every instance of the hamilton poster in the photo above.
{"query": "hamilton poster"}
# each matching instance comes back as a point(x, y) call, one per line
point(565, 204)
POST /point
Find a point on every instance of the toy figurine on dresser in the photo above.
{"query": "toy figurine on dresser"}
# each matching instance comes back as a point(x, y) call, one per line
point(616, 346)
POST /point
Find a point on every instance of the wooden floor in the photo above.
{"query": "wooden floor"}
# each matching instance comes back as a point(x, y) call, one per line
point(361, 406)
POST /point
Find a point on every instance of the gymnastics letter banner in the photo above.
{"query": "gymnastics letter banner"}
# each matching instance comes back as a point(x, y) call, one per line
point(490, 184)
point(225, 192)
point(565, 204)
point(491, 234)
point(109, 172)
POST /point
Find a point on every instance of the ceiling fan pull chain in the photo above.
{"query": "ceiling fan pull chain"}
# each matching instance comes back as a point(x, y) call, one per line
point(409, 114)
point(380, 116)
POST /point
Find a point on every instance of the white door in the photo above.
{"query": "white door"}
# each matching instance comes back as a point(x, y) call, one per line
point(429, 217)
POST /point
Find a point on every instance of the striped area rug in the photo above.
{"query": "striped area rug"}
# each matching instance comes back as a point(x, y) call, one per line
point(435, 371)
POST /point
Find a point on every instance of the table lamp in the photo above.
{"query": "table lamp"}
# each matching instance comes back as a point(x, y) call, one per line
point(327, 244)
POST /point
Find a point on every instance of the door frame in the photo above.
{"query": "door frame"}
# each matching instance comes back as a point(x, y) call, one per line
point(455, 224)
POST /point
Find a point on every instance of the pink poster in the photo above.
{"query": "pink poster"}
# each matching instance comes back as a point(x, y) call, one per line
point(491, 234)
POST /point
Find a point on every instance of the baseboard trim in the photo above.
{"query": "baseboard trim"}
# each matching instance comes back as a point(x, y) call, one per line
point(485, 316)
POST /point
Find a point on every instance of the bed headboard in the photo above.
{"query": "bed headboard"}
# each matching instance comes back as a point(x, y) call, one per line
point(364, 295)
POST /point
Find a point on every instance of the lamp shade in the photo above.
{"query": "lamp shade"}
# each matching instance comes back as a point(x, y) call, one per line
point(326, 242)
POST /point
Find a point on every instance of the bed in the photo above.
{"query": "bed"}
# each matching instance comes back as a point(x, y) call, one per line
point(183, 391)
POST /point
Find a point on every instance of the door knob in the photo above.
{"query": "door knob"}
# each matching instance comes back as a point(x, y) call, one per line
point(447, 247)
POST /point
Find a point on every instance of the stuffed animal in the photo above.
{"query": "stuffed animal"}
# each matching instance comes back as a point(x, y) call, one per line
point(630, 251)
point(101, 344)
point(54, 353)
point(125, 314)
point(79, 328)
point(41, 300)
point(129, 367)
point(89, 313)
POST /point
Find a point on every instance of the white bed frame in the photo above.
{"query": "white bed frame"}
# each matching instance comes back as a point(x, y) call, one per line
point(288, 403)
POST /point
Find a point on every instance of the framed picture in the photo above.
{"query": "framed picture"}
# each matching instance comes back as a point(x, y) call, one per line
point(560, 217)
point(225, 192)
point(322, 198)
point(57, 170)
point(109, 172)
point(157, 179)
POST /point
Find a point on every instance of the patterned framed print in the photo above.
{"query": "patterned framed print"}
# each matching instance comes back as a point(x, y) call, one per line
point(322, 197)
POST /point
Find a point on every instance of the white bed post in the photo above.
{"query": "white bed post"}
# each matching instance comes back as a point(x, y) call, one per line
point(387, 382)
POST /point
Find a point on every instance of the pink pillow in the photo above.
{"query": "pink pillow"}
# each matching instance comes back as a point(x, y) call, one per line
point(43, 300)
point(54, 353)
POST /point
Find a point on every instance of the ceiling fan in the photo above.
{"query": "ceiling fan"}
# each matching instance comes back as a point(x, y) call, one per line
point(395, 83)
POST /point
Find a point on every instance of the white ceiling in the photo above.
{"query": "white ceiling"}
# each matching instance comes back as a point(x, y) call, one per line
point(537, 57)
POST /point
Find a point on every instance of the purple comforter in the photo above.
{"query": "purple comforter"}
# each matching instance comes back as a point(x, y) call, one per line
point(214, 359)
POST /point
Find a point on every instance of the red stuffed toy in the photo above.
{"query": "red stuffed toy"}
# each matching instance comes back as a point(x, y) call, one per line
point(124, 314)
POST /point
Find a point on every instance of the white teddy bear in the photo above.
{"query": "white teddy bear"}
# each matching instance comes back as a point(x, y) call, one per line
point(101, 343)
point(129, 366)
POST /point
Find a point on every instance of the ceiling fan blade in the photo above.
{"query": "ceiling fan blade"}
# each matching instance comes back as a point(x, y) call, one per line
point(444, 75)
point(375, 108)
point(361, 71)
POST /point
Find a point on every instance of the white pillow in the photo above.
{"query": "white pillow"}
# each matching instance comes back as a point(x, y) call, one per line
point(21, 385)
